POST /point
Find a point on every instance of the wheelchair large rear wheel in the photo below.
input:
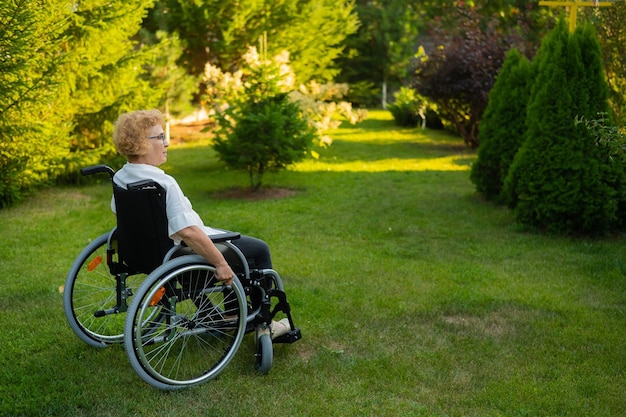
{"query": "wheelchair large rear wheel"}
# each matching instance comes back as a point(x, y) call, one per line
point(203, 326)
point(91, 289)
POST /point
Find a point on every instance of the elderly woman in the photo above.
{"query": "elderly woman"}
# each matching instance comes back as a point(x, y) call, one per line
point(139, 137)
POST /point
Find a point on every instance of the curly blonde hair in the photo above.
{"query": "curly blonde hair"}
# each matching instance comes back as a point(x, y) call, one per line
point(130, 135)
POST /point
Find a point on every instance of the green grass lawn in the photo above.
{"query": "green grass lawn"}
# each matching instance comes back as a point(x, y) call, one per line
point(414, 296)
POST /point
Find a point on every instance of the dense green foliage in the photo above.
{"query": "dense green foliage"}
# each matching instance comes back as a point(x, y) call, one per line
point(503, 125)
point(378, 55)
point(179, 88)
point(221, 31)
point(609, 23)
point(458, 70)
point(109, 73)
point(71, 70)
point(561, 180)
point(32, 129)
point(74, 68)
point(407, 109)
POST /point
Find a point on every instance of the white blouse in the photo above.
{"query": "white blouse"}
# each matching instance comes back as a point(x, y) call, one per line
point(180, 213)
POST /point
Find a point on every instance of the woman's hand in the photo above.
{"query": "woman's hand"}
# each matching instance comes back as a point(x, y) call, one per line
point(224, 274)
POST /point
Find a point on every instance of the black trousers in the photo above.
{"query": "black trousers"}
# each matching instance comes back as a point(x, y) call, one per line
point(256, 251)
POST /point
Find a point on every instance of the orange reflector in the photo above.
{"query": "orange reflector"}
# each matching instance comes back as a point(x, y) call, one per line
point(157, 297)
point(94, 263)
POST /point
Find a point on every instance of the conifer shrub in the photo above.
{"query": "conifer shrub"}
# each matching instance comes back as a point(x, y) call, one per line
point(260, 128)
point(560, 180)
point(264, 121)
point(611, 142)
point(268, 134)
point(502, 127)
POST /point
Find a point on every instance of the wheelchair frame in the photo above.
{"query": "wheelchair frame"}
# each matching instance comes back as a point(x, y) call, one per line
point(180, 326)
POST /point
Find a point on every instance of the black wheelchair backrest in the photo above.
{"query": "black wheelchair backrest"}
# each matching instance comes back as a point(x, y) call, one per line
point(142, 233)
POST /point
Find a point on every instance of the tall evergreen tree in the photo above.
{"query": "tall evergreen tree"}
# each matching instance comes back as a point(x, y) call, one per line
point(68, 69)
point(502, 127)
point(599, 199)
point(31, 129)
point(557, 181)
point(107, 75)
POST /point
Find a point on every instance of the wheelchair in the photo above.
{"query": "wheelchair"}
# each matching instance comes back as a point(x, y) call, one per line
point(179, 325)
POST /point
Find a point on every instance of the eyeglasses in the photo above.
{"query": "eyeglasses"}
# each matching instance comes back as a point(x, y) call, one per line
point(161, 136)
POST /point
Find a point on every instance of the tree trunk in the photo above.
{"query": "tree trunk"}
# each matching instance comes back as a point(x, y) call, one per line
point(384, 99)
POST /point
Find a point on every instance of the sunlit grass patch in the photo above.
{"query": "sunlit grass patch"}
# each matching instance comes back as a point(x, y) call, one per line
point(446, 163)
point(377, 145)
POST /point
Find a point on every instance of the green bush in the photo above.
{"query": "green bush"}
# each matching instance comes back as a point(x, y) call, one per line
point(502, 127)
point(407, 109)
point(364, 94)
point(265, 121)
point(410, 109)
point(561, 181)
point(611, 143)
point(263, 135)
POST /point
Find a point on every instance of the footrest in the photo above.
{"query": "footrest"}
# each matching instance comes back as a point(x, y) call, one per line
point(292, 336)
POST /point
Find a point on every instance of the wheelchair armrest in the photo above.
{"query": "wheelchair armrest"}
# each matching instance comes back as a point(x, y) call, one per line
point(223, 237)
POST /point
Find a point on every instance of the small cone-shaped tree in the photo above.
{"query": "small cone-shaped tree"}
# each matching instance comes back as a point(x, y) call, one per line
point(503, 125)
point(557, 181)
point(263, 130)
